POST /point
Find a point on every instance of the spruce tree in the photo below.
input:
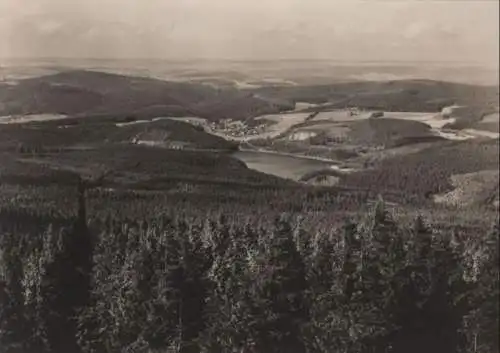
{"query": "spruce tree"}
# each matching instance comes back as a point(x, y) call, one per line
point(95, 322)
point(331, 280)
point(414, 286)
point(428, 308)
point(228, 301)
point(280, 310)
point(193, 290)
point(34, 299)
point(482, 320)
point(162, 328)
point(380, 258)
point(12, 321)
point(66, 287)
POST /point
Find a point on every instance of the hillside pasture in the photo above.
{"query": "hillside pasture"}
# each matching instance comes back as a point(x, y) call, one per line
point(339, 115)
point(489, 123)
point(282, 123)
point(21, 119)
point(434, 120)
point(384, 132)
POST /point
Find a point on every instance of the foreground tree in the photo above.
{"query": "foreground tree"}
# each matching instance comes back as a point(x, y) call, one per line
point(482, 326)
point(279, 287)
point(66, 288)
point(229, 302)
point(370, 284)
point(13, 325)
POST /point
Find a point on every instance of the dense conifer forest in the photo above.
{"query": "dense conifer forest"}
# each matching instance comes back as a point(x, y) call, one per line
point(208, 283)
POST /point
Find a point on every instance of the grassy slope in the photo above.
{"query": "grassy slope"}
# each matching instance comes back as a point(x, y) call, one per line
point(472, 117)
point(381, 132)
point(387, 132)
point(403, 95)
point(490, 122)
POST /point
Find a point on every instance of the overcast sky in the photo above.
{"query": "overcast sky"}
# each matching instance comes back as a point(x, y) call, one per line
point(462, 30)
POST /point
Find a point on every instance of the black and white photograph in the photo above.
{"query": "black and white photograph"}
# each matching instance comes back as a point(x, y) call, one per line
point(249, 176)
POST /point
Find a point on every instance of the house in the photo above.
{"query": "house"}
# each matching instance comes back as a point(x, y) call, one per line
point(377, 115)
point(353, 111)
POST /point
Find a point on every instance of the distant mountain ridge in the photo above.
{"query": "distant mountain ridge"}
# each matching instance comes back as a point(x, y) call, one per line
point(81, 92)
point(93, 93)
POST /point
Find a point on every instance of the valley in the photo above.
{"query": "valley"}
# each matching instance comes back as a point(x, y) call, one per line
point(300, 133)
point(224, 176)
point(133, 197)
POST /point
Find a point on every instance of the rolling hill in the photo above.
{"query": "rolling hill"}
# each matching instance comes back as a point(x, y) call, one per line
point(427, 172)
point(402, 95)
point(97, 132)
point(385, 132)
point(91, 93)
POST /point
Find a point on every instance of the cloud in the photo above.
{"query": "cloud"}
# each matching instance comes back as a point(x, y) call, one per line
point(350, 29)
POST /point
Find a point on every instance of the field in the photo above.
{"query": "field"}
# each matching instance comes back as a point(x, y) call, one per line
point(489, 122)
point(13, 119)
point(282, 123)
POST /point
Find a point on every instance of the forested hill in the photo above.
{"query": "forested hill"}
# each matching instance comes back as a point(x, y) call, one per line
point(402, 95)
point(92, 93)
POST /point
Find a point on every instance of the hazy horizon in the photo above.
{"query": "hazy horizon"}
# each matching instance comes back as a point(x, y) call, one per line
point(240, 30)
point(245, 60)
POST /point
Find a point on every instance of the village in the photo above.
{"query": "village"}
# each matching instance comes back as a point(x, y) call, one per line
point(236, 128)
point(241, 129)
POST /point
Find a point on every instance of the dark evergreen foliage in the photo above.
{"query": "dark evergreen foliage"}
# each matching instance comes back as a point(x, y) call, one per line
point(214, 284)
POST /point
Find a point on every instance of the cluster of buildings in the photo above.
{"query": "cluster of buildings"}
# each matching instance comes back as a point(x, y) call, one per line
point(236, 128)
